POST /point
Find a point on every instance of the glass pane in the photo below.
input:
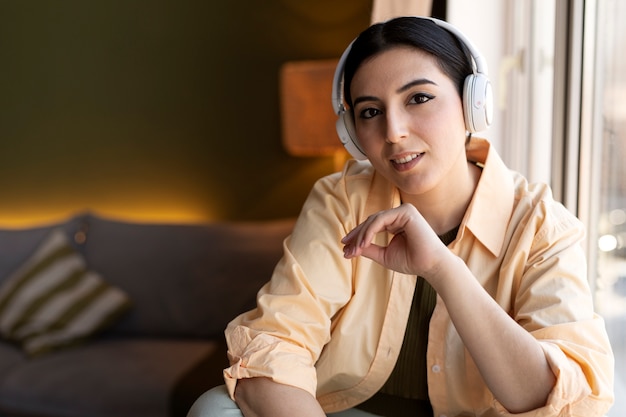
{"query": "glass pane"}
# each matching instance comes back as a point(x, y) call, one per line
point(611, 224)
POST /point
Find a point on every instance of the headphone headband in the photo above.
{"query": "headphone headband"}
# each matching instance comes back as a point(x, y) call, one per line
point(477, 94)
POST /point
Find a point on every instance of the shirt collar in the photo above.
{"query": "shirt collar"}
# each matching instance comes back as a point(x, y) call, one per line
point(489, 212)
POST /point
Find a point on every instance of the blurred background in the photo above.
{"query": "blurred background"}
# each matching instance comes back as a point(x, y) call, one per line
point(156, 110)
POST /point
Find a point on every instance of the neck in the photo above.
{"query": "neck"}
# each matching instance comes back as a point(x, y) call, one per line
point(444, 207)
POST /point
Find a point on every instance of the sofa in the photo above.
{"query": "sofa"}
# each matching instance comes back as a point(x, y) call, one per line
point(174, 288)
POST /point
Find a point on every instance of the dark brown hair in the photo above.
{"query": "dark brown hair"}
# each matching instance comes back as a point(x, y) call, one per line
point(451, 54)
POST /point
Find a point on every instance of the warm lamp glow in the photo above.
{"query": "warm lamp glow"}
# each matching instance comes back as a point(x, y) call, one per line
point(169, 198)
point(139, 213)
point(308, 119)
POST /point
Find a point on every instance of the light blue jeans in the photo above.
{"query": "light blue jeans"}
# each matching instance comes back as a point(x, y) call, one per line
point(217, 403)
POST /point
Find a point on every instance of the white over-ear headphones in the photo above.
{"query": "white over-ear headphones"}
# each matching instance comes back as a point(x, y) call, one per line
point(477, 95)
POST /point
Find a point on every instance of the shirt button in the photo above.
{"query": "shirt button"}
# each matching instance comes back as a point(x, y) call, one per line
point(436, 369)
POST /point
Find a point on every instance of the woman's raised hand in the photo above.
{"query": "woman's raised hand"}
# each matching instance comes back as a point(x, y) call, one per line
point(414, 249)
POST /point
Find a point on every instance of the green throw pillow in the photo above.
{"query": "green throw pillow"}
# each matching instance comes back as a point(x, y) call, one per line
point(53, 301)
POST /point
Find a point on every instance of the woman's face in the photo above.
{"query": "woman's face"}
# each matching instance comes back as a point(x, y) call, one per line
point(409, 121)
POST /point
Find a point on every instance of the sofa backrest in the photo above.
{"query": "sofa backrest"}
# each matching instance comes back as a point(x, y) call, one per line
point(183, 280)
point(16, 245)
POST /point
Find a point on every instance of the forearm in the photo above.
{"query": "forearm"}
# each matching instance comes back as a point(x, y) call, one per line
point(510, 360)
point(262, 397)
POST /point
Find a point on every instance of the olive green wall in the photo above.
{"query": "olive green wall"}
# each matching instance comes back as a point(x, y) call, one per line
point(156, 110)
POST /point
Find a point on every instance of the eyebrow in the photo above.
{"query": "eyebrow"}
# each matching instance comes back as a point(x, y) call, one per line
point(419, 81)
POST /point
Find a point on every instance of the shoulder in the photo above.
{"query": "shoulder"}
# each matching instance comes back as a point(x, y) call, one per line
point(536, 210)
point(351, 194)
point(353, 170)
point(356, 177)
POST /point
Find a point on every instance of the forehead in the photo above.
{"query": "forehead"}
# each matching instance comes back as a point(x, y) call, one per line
point(395, 67)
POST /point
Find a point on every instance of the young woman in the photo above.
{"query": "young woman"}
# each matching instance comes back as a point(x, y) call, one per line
point(429, 279)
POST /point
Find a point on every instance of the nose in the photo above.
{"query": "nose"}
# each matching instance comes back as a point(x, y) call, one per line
point(397, 127)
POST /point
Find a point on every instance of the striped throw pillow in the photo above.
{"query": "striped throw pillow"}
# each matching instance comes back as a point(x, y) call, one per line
point(53, 301)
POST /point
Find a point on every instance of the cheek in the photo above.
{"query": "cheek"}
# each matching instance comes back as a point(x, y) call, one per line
point(369, 138)
point(459, 117)
point(451, 110)
point(448, 122)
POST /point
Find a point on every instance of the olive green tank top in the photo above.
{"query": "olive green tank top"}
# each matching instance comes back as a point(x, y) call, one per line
point(406, 391)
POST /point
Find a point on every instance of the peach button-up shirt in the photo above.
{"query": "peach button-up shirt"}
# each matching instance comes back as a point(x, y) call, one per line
point(334, 327)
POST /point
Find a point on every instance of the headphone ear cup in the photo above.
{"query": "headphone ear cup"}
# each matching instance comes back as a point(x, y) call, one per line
point(477, 102)
point(347, 135)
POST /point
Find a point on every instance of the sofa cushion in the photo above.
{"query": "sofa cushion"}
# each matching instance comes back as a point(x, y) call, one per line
point(53, 301)
point(112, 377)
point(18, 244)
point(10, 357)
point(184, 280)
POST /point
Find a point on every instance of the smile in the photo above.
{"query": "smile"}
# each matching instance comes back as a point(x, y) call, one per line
point(405, 159)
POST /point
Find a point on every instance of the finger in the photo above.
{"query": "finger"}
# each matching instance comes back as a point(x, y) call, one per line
point(363, 235)
point(371, 251)
point(353, 241)
point(392, 221)
point(384, 221)
point(374, 252)
point(351, 235)
point(355, 235)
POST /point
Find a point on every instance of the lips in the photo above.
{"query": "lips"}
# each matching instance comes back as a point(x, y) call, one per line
point(405, 159)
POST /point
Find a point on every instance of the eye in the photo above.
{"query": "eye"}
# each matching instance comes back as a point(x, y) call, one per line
point(421, 98)
point(369, 113)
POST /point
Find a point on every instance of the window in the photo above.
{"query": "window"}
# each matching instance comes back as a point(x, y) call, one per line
point(603, 192)
point(593, 156)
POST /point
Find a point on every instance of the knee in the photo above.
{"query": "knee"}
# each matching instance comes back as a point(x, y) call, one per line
point(214, 403)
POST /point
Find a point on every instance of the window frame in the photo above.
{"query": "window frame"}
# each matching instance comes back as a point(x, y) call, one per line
point(576, 95)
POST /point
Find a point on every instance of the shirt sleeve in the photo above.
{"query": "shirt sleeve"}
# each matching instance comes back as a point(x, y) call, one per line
point(554, 303)
point(283, 337)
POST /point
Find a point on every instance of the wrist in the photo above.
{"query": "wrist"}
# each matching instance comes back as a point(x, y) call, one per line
point(442, 275)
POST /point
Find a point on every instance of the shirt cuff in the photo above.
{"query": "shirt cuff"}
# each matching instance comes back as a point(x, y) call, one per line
point(270, 357)
point(570, 388)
